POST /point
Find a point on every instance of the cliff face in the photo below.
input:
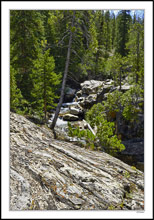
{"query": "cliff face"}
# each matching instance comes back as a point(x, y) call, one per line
point(47, 174)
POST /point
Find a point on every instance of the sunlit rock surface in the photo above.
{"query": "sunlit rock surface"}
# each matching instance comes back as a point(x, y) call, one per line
point(47, 174)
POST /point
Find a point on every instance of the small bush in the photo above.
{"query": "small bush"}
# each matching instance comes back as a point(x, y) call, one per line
point(86, 134)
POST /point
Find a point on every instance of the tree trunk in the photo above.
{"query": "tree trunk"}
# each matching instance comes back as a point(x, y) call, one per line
point(64, 79)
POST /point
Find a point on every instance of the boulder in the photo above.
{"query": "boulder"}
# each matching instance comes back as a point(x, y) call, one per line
point(88, 101)
point(93, 91)
point(103, 94)
point(109, 82)
point(91, 99)
point(70, 117)
point(75, 111)
point(107, 88)
point(69, 104)
point(82, 124)
point(64, 111)
point(49, 174)
point(91, 86)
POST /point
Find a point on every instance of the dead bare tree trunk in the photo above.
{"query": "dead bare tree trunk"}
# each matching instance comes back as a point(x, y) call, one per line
point(64, 79)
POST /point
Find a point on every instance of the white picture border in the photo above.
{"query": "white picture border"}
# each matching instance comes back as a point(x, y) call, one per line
point(59, 5)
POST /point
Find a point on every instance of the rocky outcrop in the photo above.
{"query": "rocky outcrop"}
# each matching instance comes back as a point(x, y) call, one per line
point(94, 91)
point(90, 89)
point(48, 174)
point(91, 86)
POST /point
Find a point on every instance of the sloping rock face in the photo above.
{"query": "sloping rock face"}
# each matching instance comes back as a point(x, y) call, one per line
point(47, 174)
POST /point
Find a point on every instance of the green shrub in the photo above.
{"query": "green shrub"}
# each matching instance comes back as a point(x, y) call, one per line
point(86, 134)
point(132, 103)
point(92, 114)
point(107, 139)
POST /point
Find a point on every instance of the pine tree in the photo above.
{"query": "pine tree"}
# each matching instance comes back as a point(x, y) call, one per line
point(15, 93)
point(122, 28)
point(101, 54)
point(26, 33)
point(45, 82)
point(108, 40)
point(89, 60)
point(113, 29)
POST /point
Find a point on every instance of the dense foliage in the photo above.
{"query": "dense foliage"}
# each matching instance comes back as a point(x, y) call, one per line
point(107, 139)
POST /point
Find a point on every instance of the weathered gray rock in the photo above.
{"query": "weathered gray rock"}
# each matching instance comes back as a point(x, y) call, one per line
point(70, 104)
point(64, 111)
point(75, 111)
point(109, 82)
point(70, 117)
point(88, 101)
point(91, 99)
point(107, 87)
point(91, 86)
point(94, 91)
point(49, 174)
